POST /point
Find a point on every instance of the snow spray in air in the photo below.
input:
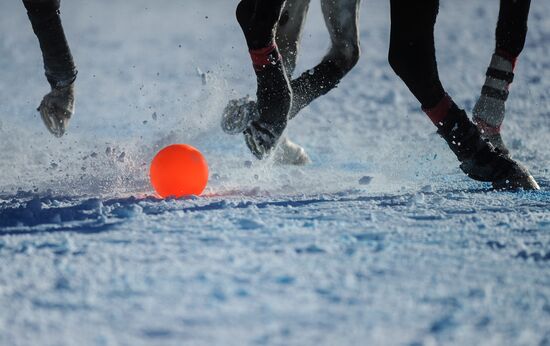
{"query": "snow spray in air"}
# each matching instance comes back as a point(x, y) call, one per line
point(179, 170)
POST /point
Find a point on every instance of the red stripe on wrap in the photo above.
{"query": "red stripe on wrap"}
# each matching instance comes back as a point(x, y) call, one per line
point(265, 56)
point(438, 113)
point(485, 128)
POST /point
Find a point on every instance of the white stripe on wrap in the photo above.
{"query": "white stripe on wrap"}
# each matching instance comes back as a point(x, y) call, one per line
point(499, 63)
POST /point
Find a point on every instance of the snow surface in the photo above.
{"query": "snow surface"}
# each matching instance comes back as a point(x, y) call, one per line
point(381, 241)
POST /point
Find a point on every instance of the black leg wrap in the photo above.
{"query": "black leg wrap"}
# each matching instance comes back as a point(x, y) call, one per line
point(46, 23)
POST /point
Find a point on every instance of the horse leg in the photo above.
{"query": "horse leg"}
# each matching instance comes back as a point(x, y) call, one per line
point(289, 31)
point(341, 18)
point(258, 20)
point(510, 35)
point(412, 49)
point(57, 107)
point(412, 56)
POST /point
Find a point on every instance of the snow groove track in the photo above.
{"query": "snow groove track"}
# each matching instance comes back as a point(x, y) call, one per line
point(29, 213)
point(381, 241)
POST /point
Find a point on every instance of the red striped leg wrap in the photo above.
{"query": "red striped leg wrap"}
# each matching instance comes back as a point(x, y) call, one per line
point(438, 113)
point(265, 56)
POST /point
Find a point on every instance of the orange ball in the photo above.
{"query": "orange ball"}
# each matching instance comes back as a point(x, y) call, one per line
point(179, 170)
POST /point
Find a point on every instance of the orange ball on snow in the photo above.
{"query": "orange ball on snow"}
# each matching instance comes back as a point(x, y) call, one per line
point(179, 170)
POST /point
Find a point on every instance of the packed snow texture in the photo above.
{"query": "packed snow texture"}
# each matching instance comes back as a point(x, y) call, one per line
point(380, 241)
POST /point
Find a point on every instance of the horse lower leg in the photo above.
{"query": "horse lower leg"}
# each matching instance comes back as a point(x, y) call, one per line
point(341, 18)
point(258, 20)
point(412, 49)
point(46, 23)
point(511, 31)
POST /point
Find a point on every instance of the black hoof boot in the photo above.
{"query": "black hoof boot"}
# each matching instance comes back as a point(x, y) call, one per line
point(479, 159)
point(238, 114)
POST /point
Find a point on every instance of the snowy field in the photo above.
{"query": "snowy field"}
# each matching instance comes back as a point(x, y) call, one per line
point(380, 241)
